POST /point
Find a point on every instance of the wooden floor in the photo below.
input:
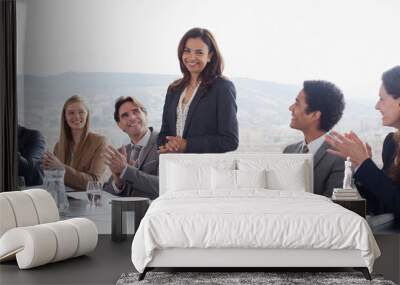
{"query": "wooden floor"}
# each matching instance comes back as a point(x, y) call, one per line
point(103, 266)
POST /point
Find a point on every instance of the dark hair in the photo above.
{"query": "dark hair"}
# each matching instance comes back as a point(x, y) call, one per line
point(325, 97)
point(121, 100)
point(213, 69)
point(391, 82)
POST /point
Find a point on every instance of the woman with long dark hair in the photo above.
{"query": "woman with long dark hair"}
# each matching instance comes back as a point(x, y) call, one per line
point(381, 188)
point(200, 108)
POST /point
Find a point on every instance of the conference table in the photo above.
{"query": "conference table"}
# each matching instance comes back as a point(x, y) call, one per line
point(79, 207)
point(104, 216)
point(116, 215)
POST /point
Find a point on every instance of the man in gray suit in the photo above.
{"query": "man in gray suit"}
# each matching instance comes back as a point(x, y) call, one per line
point(318, 107)
point(134, 167)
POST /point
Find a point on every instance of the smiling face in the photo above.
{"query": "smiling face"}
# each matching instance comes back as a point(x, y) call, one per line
point(195, 56)
point(300, 119)
point(389, 108)
point(132, 120)
point(76, 115)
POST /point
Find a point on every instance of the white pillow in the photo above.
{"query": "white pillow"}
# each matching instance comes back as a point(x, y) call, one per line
point(227, 179)
point(223, 179)
point(182, 177)
point(282, 174)
point(251, 178)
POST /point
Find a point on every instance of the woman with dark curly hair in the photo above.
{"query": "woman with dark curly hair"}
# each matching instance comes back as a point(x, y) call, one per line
point(200, 108)
point(381, 188)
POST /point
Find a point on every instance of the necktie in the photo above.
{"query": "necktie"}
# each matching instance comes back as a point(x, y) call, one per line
point(305, 149)
point(135, 153)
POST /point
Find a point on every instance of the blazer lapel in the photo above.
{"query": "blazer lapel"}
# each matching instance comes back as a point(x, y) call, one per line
point(192, 108)
point(174, 106)
point(321, 152)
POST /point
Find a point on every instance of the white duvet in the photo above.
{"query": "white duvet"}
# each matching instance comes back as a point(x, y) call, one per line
point(250, 219)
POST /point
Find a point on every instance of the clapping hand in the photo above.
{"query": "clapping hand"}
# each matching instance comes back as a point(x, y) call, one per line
point(50, 161)
point(115, 159)
point(349, 145)
point(174, 145)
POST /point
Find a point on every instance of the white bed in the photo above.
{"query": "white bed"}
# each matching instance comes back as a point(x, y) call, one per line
point(247, 210)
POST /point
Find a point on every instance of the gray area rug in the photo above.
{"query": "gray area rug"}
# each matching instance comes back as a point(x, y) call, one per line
point(228, 278)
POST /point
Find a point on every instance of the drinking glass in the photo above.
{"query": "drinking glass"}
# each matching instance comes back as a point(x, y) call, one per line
point(54, 184)
point(93, 192)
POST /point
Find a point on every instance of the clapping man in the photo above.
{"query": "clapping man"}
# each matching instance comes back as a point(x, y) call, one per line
point(134, 166)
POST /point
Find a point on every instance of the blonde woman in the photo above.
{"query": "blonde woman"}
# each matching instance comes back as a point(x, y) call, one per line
point(78, 150)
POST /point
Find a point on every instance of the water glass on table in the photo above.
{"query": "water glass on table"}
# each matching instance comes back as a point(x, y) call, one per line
point(93, 192)
point(54, 184)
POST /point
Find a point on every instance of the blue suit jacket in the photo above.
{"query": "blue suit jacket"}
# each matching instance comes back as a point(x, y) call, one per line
point(31, 147)
point(381, 192)
point(211, 125)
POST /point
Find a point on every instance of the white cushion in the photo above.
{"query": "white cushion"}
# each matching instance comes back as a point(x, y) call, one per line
point(87, 235)
point(32, 246)
point(223, 179)
point(31, 233)
point(45, 207)
point(251, 178)
point(283, 174)
point(7, 218)
point(66, 237)
point(40, 244)
point(226, 179)
point(23, 208)
point(183, 177)
point(26, 208)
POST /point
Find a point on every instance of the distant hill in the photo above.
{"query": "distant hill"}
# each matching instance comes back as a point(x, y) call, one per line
point(262, 105)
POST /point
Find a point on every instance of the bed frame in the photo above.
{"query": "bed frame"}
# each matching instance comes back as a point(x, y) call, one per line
point(242, 259)
point(246, 258)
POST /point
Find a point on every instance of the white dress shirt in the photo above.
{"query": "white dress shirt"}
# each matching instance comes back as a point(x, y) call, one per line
point(314, 145)
point(182, 111)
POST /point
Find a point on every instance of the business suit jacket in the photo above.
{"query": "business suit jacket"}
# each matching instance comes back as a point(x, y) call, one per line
point(211, 125)
point(31, 147)
point(140, 181)
point(328, 169)
point(381, 192)
point(87, 164)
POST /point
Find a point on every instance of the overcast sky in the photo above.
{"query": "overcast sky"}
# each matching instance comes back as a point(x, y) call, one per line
point(349, 42)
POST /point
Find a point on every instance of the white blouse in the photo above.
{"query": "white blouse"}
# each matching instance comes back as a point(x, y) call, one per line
point(182, 111)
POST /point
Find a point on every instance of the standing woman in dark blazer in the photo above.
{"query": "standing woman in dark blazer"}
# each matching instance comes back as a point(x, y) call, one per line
point(381, 188)
point(200, 109)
